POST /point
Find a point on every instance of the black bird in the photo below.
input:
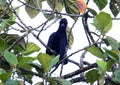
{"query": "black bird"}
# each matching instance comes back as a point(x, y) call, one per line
point(58, 41)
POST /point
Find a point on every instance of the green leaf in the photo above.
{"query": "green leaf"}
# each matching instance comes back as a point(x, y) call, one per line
point(116, 77)
point(24, 60)
point(95, 51)
point(27, 74)
point(102, 22)
point(92, 11)
point(92, 76)
point(112, 54)
point(4, 64)
point(11, 82)
point(71, 8)
point(3, 45)
point(59, 6)
point(112, 42)
point(101, 3)
point(49, 16)
point(61, 81)
point(51, 80)
point(10, 57)
point(5, 76)
point(54, 61)
point(56, 5)
point(7, 17)
point(51, 3)
point(115, 7)
point(3, 2)
point(29, 78)
point(102, 65)
point(4, 25)
point(110, 63)
point(34, 4)
point(31, 48)
point(11, 38)
point(4, 12)
point(47, 61)
point(71, 38)
point(38, 68)
point(2, 71)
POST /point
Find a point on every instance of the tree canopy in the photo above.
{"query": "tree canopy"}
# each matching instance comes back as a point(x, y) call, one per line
point(17, 59)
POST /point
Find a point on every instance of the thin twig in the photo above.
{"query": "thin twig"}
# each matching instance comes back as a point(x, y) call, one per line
point(74, 62)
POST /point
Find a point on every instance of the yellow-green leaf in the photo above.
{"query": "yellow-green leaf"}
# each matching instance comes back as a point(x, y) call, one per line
point(71, 38)
point(71, 8)
point(95, 51)
point(59, 6)
point(31, 48)
point(102, 65)
point(47, 61)
point(44, 60)
point(32, 12)
point(103, 22)
point(55, 4)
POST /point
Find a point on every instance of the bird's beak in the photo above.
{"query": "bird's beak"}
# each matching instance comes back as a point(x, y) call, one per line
point(62, 25)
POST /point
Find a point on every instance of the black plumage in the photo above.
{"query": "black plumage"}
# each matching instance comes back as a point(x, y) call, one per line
point(58, 41)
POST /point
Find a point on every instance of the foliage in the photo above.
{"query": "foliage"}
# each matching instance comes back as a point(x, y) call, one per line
point(92, 75)
point(18, 55)
point(115, 7)
point(34, 4)
point(103, 22)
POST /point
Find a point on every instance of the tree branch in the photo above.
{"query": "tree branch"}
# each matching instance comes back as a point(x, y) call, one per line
point(78, 79)
point(94, 65)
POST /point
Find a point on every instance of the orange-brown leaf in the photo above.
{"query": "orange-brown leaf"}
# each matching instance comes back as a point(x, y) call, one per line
point(81, 6)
